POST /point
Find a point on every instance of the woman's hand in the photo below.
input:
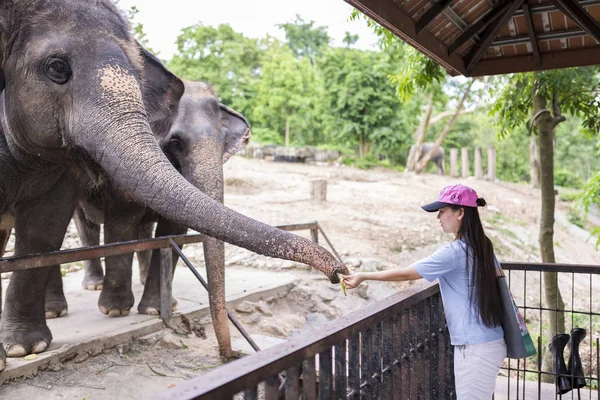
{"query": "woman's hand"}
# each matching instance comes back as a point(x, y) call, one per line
point(353, 280)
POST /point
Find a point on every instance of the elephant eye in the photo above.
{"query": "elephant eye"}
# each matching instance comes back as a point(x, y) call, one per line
point(175, 144)
point(58, 70)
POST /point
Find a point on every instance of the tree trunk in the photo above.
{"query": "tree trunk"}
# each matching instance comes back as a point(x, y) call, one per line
point(534, 161)
point(420, 134)
point(422, 163)
point(287, 132)
point(546, 123)
point(361, 149)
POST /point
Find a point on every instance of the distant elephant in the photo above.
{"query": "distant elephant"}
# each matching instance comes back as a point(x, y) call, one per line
point(437, 158)
point(80, 101)
point(204, 135)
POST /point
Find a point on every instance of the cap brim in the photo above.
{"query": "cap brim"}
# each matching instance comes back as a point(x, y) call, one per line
point(435, 206)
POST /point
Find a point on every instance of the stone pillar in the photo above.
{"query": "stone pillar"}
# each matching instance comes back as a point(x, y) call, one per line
point(478, 166)
point(318, 190)
point(454, 162)
point(465, 162)
point(492, 164)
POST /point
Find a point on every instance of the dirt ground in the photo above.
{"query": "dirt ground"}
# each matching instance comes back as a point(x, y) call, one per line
point(374, 220)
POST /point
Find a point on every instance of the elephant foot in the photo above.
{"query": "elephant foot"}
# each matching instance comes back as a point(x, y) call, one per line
point(93, 282)
point(152, 306)
point(24, 340)
point(115, 304)
point(56, 305)
point(2, 358)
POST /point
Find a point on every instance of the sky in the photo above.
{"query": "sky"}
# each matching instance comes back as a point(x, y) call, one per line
point(163, 20)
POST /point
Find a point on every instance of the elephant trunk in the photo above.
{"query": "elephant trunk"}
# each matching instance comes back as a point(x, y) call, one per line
point(121, 142)
point(206, 173)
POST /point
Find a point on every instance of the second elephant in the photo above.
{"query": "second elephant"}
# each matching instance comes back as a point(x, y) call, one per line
point(438, 158)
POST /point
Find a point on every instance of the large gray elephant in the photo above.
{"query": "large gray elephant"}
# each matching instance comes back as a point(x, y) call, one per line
point(438, 157)
point(78, 106)
point(204, 135)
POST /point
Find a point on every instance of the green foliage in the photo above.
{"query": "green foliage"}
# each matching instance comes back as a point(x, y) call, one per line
point(304, 39)
point(266, 136)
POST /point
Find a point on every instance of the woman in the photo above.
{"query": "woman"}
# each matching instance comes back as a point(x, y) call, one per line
point(466, 269)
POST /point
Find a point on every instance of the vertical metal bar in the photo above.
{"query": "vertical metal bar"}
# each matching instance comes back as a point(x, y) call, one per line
point(376, 362)
point(340, 371)
point(397, 363)
point(539, 365)
point(598, 366)
point(249, 394)
point(518, 375)
point(387, 387)
point(524, 318)
point(272, 388)
point(314, 234)
point(292, 383)
point(509, 360)
point(309, 379)
point(325, 370)
point(541, 346)
point(365, 364)
point(354, 366)
point(166, 284)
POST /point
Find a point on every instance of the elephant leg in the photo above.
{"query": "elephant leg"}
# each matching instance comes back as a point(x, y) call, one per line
point(40, 226)
point(214, 257)
point(121, 223)
point(144, 257)
point(150, 303)
point(89, 233)
point(56, 303)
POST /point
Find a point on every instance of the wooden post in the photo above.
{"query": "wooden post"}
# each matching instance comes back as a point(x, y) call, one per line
point(465, 162)
point(492, 164)
point(454, 162)
point(166, 283)
point(318, 190)
point(478, 166)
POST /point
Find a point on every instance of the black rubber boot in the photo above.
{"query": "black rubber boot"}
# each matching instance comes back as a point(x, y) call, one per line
point(559, 369)
point(575, 368)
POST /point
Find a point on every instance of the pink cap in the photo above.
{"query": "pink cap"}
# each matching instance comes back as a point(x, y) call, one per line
point(459, 195)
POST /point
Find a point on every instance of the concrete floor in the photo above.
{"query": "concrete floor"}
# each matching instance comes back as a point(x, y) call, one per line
point(84, 331)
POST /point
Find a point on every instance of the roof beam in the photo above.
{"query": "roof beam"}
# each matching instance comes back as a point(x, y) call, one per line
point(478, 26)
point(554, 60)
point(430, 14)
point(580, 16)
point(396, 21)
point(535, 48)
point(489, 35)
point(542, 36)
point(547, 7)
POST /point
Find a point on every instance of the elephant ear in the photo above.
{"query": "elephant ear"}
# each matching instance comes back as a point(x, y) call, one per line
point(238, 131)
point(162, 91)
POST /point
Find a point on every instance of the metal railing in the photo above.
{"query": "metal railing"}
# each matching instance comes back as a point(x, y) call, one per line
point(398, 348)
point(578, 286)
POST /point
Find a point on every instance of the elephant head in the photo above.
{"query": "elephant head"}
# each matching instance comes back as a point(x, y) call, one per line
point(75, 85)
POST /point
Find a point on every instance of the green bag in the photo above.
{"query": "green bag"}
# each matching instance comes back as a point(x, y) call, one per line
point(516, 335)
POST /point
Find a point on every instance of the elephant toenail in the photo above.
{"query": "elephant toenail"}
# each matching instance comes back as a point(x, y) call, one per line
point(63, 313)
point(151, 311)
point(16, 351)
point(125, 312)
point(2, 364)
point(99, 287)
point(103, 310)
point(50, 315)
point(114, 313)
point(41, 346)
point(91, 287)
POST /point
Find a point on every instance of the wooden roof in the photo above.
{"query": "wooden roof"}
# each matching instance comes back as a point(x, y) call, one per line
point(487, 37)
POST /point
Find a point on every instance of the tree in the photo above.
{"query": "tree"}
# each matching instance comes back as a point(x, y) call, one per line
point(286, 91)
point(305, 39)
point(226, 59)
point(546, 94)
point(359, 98)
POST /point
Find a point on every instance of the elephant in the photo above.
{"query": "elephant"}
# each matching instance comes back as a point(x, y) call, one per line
point(204, 135)
point(79, 103)
point(437, 158)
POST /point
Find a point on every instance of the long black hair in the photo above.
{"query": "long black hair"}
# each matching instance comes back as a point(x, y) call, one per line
point(484, 292)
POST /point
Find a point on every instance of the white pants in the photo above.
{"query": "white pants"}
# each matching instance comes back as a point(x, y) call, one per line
point(476, 368)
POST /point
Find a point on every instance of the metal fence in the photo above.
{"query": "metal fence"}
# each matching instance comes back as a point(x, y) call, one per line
point(398, 348)
point(579, 287)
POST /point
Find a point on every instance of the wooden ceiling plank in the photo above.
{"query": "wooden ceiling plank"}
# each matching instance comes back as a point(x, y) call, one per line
point(558, 59)
point(478, 26)
point(580, 16)
point(535, 48)
point(396, 21)
point(430, 14)
point(489, 35)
